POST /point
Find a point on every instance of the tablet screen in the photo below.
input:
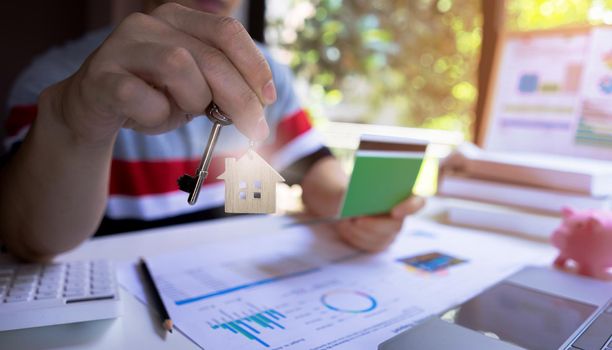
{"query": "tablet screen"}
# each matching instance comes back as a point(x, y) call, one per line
point(525, 317)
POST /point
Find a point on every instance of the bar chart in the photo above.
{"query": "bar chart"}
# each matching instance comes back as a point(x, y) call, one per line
point(317, 298)
point(252, 326)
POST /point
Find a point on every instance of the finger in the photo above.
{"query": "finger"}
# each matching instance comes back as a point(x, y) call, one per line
point(132, 98)
point(233, 95)
point(176, 119)
point(379, 227)
point(171, 69)
point(348, 233)
point(367, 238)
point(236, 70)
point(228, 35)
point(407, 207)
point(361, 240)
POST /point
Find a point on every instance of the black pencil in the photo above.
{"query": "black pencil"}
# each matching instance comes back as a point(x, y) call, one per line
point(157, 301)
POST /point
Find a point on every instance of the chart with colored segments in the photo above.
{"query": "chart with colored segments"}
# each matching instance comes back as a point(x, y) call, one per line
point(563, 108)
point(595, 125)
point(305, 290)
point(251, 325)
point(309, 311)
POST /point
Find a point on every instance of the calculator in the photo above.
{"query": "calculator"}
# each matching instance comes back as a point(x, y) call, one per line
point(34, 295)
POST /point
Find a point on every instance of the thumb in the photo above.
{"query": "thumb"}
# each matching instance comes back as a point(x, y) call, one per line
point(409, 206)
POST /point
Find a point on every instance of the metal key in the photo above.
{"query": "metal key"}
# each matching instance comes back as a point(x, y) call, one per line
point(192, 184)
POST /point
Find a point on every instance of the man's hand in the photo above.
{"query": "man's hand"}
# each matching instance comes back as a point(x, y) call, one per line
point(375, 233)
point(154, 72)
point(324, 186)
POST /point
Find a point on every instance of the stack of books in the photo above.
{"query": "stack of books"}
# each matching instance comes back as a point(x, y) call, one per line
point(522, 193)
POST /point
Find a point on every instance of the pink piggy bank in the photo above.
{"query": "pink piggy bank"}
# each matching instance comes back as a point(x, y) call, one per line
point(585, 237)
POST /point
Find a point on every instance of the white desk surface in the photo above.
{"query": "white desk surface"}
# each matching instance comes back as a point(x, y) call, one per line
point(139, 326)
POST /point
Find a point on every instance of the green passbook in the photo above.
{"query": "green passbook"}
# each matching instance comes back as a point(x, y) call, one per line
point(384, 174)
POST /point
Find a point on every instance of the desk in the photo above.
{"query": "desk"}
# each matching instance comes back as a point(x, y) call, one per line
point(139, 328)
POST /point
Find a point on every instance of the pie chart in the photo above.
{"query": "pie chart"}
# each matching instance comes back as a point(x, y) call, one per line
point(348, 301)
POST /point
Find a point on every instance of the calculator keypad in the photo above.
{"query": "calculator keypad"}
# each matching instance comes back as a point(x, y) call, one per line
point(73, 281)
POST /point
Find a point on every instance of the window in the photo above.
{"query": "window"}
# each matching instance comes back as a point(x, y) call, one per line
point(405, 63)
point(257, 195)
point(540, 14)
point(243, 195)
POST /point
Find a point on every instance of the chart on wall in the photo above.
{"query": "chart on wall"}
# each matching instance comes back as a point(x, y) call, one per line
point(595, 119)
point(553, 94)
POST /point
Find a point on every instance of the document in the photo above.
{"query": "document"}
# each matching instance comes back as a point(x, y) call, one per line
point(561, 108)
point(304, 289)
point(594, 129)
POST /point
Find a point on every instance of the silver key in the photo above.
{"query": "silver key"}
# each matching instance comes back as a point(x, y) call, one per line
point(192, 184)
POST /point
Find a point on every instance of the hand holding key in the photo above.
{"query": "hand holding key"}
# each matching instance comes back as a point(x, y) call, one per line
point(192, 184)
point(155, 69)
point(151, 72)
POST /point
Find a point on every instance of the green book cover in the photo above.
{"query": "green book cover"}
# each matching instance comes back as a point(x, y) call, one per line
point(381, 179)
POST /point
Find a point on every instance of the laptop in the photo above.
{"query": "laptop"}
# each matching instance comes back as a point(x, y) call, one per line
point(536, 308)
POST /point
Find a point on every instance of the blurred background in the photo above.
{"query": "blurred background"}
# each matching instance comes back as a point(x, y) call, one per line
point(385, 62)
point(407, 68)
point(408, 63)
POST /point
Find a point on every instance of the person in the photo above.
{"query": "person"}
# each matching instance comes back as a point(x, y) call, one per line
point(99, 130)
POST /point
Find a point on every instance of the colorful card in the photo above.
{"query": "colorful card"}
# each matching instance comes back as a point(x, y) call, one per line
point(385, 171)
point(431, 262)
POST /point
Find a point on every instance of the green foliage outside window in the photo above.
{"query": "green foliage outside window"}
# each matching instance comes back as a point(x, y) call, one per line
point(410, 63)
point(541, 14)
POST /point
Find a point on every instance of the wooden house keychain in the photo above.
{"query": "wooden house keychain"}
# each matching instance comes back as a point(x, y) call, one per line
point(250, 182)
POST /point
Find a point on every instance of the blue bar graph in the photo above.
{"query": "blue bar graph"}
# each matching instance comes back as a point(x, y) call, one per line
point(251, 326)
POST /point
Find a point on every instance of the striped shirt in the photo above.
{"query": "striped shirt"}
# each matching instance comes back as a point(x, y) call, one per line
point(143, 190)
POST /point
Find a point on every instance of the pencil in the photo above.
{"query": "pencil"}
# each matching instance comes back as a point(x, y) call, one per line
point(157, 301)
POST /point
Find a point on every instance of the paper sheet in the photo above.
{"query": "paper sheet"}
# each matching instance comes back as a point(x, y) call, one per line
point(561, 108)
point(302, 290)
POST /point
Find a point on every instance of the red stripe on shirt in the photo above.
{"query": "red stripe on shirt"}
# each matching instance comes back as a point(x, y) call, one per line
point(19, 118)
point(139, 178)
point(287, 130)
point(292, 127)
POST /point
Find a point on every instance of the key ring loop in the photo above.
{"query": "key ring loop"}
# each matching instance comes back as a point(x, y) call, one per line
point(215, 114)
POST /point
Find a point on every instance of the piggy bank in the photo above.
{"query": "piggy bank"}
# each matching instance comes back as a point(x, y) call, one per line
point(585, 237)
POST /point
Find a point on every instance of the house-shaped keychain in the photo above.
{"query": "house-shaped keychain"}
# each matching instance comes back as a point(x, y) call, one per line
point(250, 184)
